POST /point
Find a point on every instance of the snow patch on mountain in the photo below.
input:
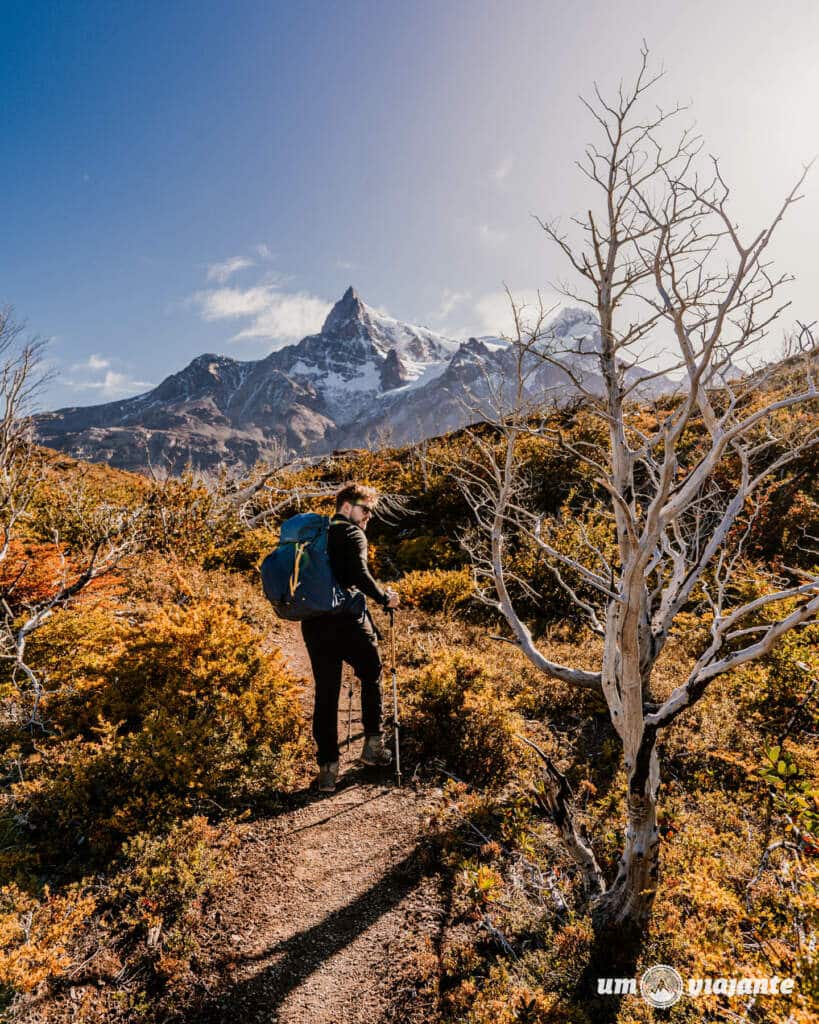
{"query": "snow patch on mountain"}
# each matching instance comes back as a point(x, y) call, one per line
point(344, 396)
point(362, 372)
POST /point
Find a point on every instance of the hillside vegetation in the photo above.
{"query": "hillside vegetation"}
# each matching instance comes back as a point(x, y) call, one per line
point(170, 720)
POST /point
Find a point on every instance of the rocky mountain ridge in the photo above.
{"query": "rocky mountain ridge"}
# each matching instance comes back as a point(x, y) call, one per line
point(363, 376)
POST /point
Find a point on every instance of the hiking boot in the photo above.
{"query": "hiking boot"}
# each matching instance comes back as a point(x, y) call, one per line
point(375, 753)
point(328, 773)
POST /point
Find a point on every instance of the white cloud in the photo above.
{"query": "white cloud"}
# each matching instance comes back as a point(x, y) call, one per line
point(96, 362)
point(502, 171)
point(276, 315)
point(91, 365)
point(449, 300)
point(89, 376)
point(493, 311)
point(288, 317)
point(491, 236)
point(228, 303)
point(112, 384)
point(224, 270)
point(494, 314)
point(276, 279)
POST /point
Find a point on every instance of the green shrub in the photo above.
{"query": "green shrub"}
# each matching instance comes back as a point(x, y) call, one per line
point(160, 893)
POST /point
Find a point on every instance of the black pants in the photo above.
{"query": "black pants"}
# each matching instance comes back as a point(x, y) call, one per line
point(331, 640)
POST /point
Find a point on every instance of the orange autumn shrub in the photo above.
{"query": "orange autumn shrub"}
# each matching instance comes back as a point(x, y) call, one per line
point(150, 915)
point(33, 572)
point(441, 590)
point(37, 935)
point(160, 896)
point(148, 719)
point(455, 714)
point(243, 553)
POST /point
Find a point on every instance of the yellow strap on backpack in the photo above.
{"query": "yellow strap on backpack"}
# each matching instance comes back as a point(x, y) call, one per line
point(294, 579)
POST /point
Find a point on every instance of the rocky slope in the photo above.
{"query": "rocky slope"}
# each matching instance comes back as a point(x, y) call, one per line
point(363, 377)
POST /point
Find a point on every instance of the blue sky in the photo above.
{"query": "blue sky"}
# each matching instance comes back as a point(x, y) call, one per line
point(190, 177)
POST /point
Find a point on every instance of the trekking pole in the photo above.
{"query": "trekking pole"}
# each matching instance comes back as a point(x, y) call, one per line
point(349, 713)
point(395, 699)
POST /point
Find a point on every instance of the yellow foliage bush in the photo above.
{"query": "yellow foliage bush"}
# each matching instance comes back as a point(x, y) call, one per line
point(37, 935)
point(243, 553)
point(438, 590)
point(151, 912)
point(576, 527)
point(506, 992)
point(181, 517)
point(454, 713)
point(153, 717)
point(165, 873)
point(483, 882)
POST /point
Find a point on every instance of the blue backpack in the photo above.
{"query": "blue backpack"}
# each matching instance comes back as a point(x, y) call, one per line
point(296, 575)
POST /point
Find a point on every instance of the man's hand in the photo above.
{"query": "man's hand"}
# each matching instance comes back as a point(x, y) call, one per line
point(394, 598)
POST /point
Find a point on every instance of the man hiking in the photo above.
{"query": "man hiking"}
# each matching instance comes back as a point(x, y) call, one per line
point(348, 636)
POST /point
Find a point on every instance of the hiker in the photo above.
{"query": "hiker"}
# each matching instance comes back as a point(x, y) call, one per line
point(348, 636)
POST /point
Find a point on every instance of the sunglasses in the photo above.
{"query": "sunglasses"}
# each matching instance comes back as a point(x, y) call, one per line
point(368, 510)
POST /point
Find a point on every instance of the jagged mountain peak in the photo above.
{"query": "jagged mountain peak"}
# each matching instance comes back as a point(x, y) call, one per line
point(352, 327)
point(573, 320)
point(474, 345)
point(349, 307)
point(364, 370)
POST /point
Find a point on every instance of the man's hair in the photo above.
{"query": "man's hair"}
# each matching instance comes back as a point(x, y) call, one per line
point(354, 493)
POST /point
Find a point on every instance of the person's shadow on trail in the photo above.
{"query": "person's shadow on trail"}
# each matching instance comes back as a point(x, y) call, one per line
point(302, 954)
point(277, 804)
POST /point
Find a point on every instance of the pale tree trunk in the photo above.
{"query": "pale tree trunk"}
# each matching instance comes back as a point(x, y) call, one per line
point(655, 257)
point(628, 902)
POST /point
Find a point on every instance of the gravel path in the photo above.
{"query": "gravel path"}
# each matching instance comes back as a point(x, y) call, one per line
point(330, 899)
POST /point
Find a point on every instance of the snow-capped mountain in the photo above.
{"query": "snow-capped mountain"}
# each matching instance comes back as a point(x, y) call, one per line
point(361, 354)
point(363, 374)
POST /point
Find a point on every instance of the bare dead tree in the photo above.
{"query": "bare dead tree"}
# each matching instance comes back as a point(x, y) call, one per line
point(380, 436)
point(111, 534)
point(660, 257)
point(108, 533)
point(274, 487)
point(20, 378)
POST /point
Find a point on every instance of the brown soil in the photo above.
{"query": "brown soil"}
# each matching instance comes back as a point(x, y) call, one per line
point(332, 899)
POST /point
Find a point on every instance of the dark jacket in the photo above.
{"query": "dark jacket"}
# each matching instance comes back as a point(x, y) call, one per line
point(347, 550)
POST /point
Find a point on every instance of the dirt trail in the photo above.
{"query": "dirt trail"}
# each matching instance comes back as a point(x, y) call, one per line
point(330, 898)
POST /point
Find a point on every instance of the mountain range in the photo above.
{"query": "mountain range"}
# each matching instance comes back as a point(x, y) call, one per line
point(363, 378)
